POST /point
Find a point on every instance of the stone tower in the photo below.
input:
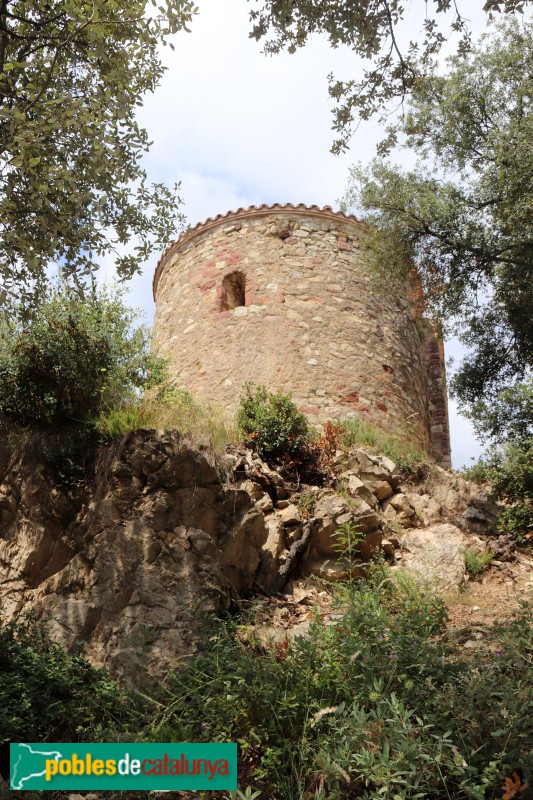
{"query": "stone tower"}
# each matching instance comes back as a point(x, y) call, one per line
point(277, 295)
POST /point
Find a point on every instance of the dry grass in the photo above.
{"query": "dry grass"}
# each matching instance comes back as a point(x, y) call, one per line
point(205, 427)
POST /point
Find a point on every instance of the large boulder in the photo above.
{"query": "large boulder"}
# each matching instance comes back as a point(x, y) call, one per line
point(241, 548)
point(450, 490)
point(435, 556)
point(379, 473)
point(399, 509)
point(428, 511)
point(357, 488)
point(480, 517)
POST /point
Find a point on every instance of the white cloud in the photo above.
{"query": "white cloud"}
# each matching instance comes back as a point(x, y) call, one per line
point(211, 195)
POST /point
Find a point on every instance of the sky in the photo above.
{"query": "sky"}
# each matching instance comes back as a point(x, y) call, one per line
point(236, 128)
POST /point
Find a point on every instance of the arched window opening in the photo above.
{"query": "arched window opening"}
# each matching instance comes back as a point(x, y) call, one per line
point(233, 291)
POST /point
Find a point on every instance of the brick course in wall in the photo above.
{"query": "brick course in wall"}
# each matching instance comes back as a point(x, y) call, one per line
point(312, 323)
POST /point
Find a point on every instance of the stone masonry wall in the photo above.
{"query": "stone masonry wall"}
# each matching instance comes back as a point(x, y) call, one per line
point(312, 323)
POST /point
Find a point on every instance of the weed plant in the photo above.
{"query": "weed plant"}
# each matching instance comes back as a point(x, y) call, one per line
point(475, 562)
point(48, 694)
point(347, 544)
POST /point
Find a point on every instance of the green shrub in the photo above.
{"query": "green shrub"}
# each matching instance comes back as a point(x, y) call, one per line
point(386, 751)
point(509, 470)
point(518, 522)
point(49, 694)
point(477, 473)
point(66, 359)
point(476, 563)
point(271, 423)
point(414, 464)
point(378, 705)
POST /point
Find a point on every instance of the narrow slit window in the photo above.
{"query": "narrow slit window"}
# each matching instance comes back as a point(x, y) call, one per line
point(233, 291)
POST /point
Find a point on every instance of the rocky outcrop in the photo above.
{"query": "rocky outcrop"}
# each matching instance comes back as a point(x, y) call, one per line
point(159, 537)
point(424, 528)
point(129, 570)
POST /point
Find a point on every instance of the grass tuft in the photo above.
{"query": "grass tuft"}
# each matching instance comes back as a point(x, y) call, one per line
point(413, 463)
point(476, 562)
point(170, 409)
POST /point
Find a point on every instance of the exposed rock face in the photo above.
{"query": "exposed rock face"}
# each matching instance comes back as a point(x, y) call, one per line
point(378, 473)
point(242, 542)
point(129, 567)
point(451, 491)
point(331, 511)
point(272, 554)
point(400, 510)
point(130, 570)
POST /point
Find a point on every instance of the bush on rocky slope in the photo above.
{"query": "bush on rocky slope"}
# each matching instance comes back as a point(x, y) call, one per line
point(509, 472)
point(374, 703)
point(271, 423)
point(48, 694)
point(65, 360)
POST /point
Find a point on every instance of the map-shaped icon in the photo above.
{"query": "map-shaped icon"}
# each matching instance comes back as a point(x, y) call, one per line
point(28, 762)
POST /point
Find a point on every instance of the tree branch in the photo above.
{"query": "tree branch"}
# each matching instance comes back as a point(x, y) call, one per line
point(35, 23)
point(3, 32)
point(394, 42)
point(63, 44)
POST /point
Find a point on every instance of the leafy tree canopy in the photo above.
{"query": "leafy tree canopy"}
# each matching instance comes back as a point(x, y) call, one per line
point(72, 189)
point(71, 359)
point(507, 416)
point(371, 28)
point(464, 218)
